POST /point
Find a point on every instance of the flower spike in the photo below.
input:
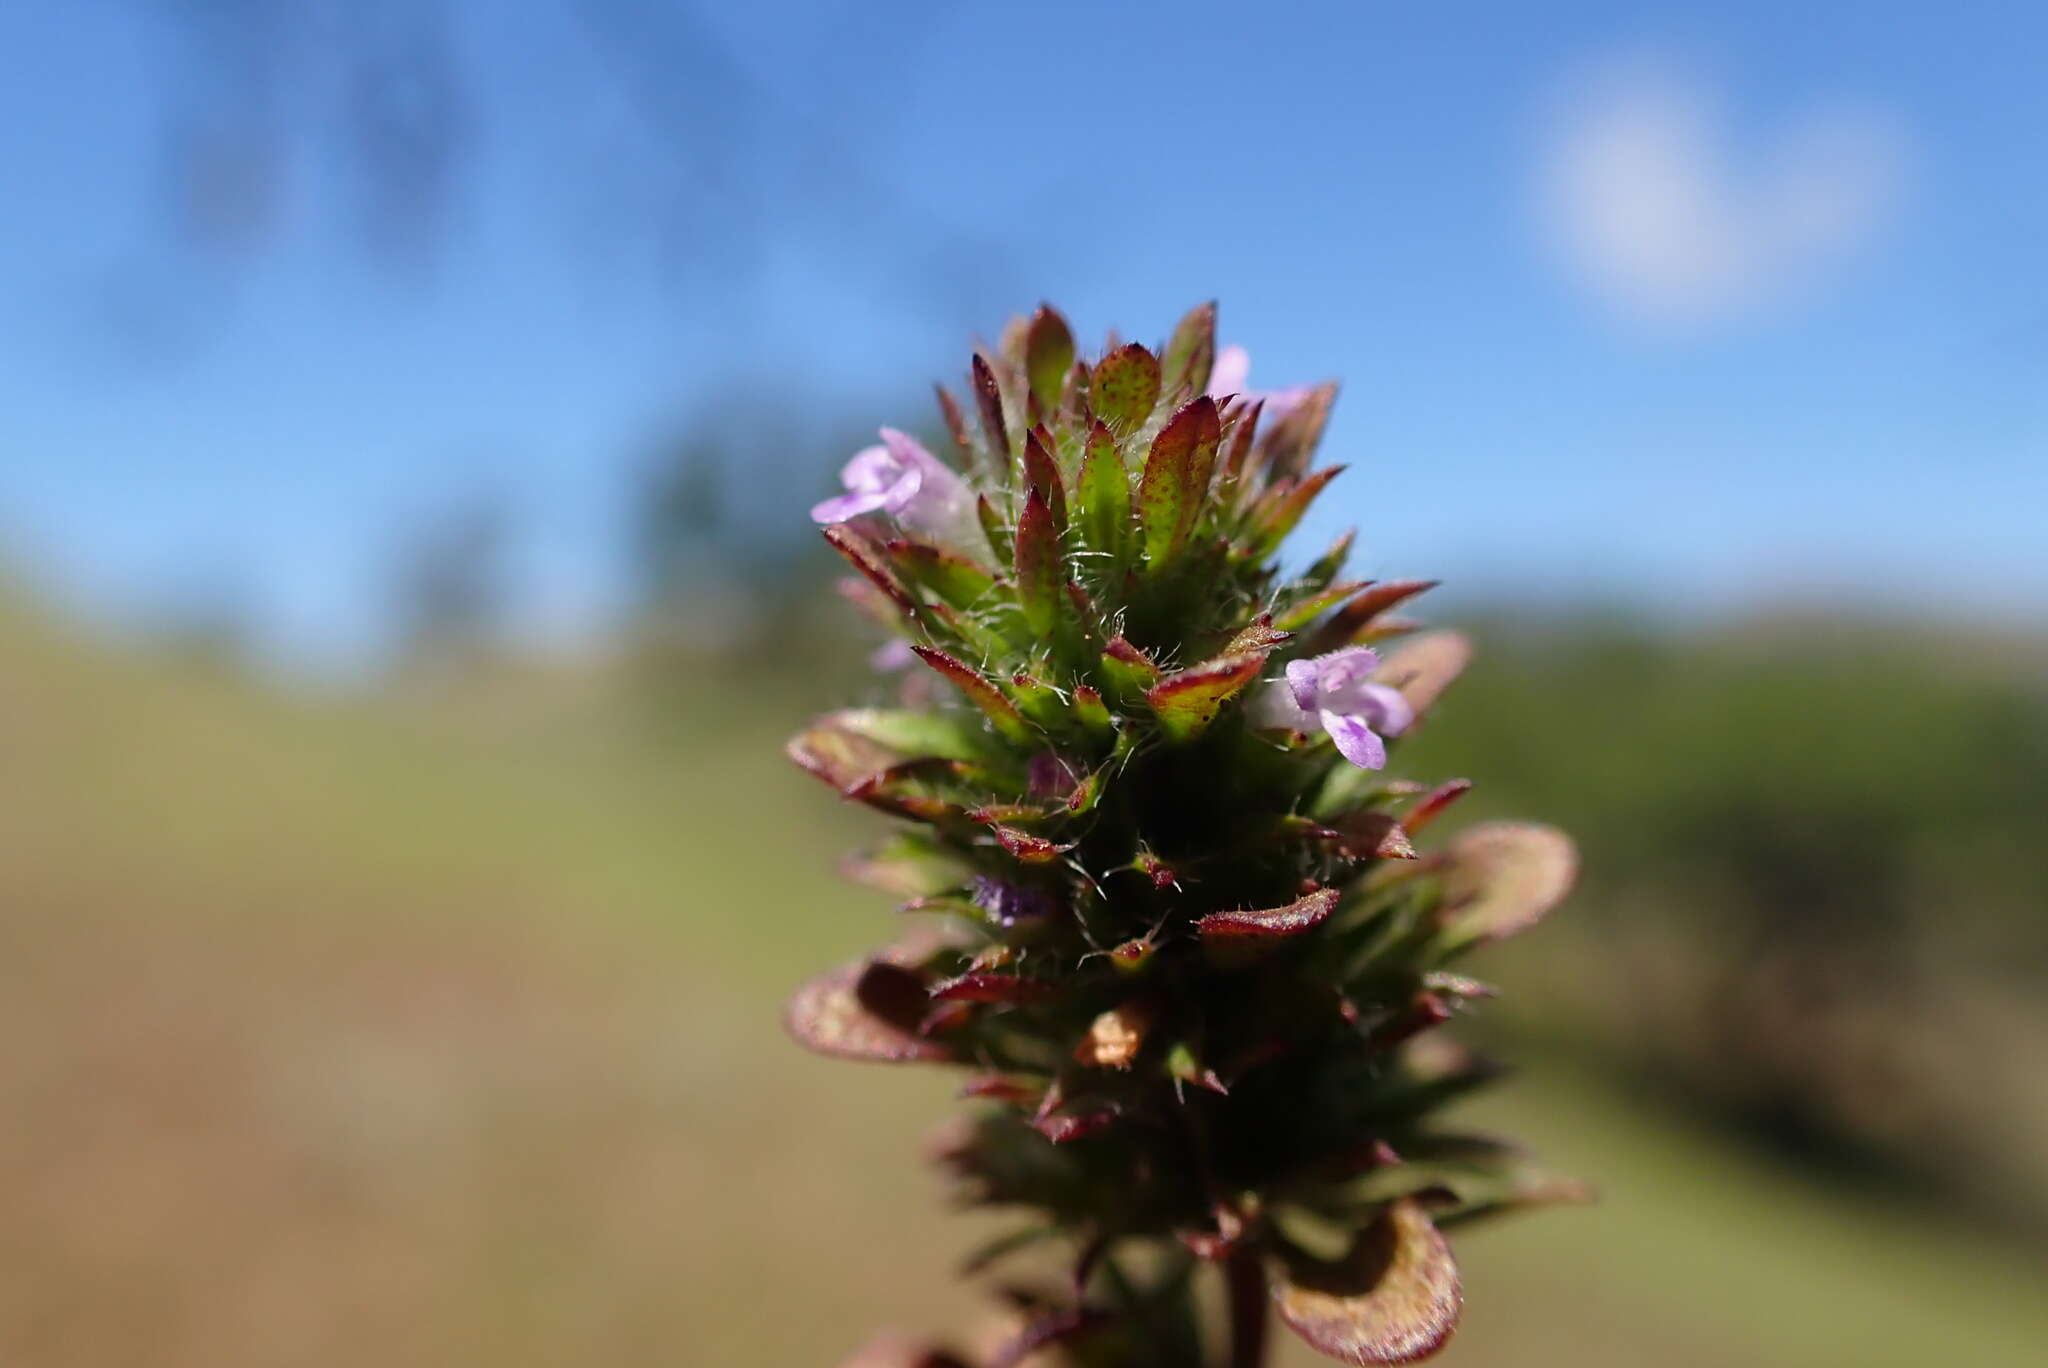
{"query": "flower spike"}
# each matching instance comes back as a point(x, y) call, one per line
point(1198, 955)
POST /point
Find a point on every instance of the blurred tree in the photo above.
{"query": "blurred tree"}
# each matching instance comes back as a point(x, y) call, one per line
point(451, 588)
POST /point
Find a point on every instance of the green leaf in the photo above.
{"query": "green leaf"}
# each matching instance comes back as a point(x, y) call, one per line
point(911, 734)
point(1175, 481)
point(977, 635)
point(1048, 351)
point(992, 527)
point(1281, 509)
point(1187, 702)
point(956, 427)
point(1243, 427)
point(1042, 476)
point(1039, 567)
point(1287, 449)
point(1128, 671)
point(953, 577)
point(1040, 701)
point(906, 789)
point(1104, 494)
point(1313, 605)
point(1125, 388)
point(1394, 1297)
point(1331, 561)
point(1089, 708)
point(867, 558)
point(1502, 877)
point(979, 692)
point(988, 397)
point(1191, 352)
point(1074, 411)
point(1343, 628)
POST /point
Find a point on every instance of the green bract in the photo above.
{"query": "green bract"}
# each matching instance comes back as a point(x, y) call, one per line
point(1190, 958)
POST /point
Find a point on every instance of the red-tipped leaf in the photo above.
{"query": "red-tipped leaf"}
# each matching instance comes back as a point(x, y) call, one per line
point(1187, 702)
point(1125, 388)
point(1175, 481)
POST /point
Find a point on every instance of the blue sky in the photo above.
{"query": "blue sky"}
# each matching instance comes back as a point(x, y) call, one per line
point(1689, 307)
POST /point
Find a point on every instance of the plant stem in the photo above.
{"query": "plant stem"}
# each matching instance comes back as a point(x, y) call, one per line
point(1245, 1278)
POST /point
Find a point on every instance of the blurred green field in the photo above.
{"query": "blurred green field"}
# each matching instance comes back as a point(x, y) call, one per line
point(440, 1028)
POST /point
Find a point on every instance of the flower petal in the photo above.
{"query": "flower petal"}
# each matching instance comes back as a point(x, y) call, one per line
point(1355, 740)
point(876, 481)
point(1386, 708)
point(1340, 672)
point(893, 654)
point(1273, 706)
point(937, 502)
point(908, 451)
point(1302, 677)
point(871, 470)
point(1232, 369)
point(843, 507)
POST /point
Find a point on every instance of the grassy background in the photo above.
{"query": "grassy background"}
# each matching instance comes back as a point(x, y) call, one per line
point(441, 1029)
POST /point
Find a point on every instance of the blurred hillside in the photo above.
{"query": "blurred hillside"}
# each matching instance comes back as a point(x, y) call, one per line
point(439, 1026)
point(1814, 894)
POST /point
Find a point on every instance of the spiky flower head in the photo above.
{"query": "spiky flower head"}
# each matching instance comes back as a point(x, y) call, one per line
point(1172, 919)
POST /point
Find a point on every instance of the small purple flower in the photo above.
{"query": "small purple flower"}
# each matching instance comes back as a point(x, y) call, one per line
point(892, 655)
point(1009, 904)
point(902, 479)
point(1231, 373)
point(1336, 693)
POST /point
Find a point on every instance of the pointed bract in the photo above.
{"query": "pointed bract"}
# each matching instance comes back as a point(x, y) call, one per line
point(988, 398)
point(1038, 565)
point(1191, 352)
point(1187, 702)
point(1048, 352)
point(1175, 481)
point(1125, 388)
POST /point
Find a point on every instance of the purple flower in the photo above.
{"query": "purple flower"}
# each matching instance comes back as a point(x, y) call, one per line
point(902, 479)
point(1009, 904)
point(1336, 693)
point(892, 655)
point(1231, 373)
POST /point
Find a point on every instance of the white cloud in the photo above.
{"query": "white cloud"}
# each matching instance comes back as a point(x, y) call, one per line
point(1676, 224)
